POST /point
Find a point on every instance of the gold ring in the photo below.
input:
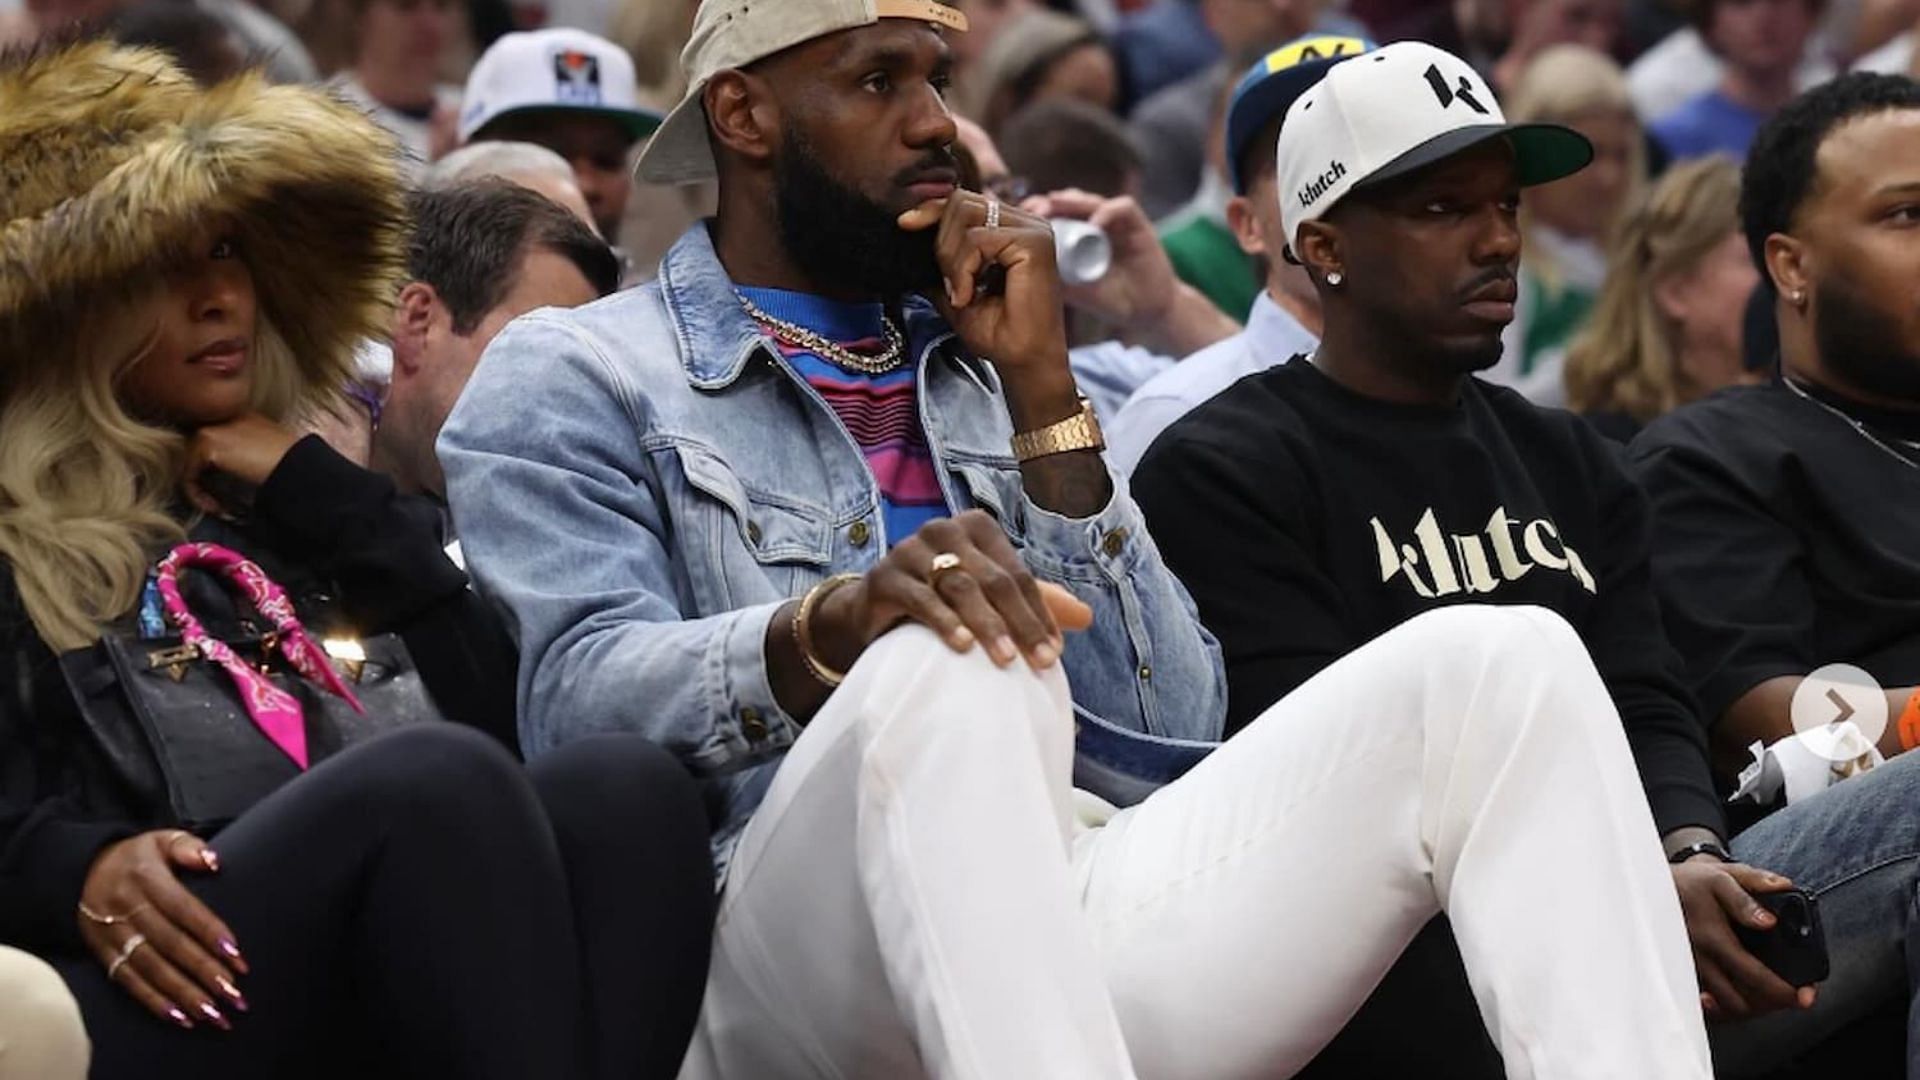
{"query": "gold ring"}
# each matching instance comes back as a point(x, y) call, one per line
point(126, 953)
point(944, 563)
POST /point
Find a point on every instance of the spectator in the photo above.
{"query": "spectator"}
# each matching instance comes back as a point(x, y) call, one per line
point(1200, 241)
point(1285, 321)
point(199, 43)
point(572, 93)
point(1761, 43)
point(1062, 144)
point(908, 888)
point(262, 38)
point(1040, 56)
point(1681, 67)
point(394, 77)
point(1477, 31)
point(41, 1037)
point(1567, 223)
point(531, 166)
point(483, 253)
point(1162, 43)
point(1785, 515)
point(198, 266)
point(1894, 57)
point(1379, 481)
point(1667, 327)
point(987, 21)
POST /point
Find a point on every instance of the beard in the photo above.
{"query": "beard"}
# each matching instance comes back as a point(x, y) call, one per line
point(1864, 344)
point(839, 237)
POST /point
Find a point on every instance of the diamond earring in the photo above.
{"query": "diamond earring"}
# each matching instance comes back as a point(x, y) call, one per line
point(1335, 277)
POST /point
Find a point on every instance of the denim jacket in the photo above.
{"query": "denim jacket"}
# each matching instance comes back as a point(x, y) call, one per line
point(641, 483)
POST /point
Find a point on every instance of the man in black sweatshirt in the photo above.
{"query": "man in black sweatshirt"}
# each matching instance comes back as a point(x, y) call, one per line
point(1315, 505)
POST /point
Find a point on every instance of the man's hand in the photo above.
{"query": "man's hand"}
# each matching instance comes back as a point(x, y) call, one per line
point(1140, 285)
point(991, 598)
point(1019, 325)
point(246, 451)
point(1714, 896)
point(179, 958)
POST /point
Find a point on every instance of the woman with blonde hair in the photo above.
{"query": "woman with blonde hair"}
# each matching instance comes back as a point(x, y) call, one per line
point(182, 273)
point(1565, 224)
point(1667, 327)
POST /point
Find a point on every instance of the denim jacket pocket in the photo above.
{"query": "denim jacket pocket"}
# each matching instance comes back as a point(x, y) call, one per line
point(758, 546)
point(997, 489)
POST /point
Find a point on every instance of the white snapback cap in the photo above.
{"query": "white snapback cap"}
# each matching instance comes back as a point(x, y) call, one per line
point(554, 69)
point(734, 33)
point(1394, 110)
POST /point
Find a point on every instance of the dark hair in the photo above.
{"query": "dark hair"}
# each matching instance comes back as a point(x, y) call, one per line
point(1062, 144)
point(468, 240)
point(1780, 172)
point(204, 46)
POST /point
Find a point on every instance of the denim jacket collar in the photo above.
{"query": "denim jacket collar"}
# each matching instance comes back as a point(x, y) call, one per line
point(717, 337)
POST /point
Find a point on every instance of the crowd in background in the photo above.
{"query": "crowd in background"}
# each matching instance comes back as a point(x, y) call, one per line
point(1670, 290)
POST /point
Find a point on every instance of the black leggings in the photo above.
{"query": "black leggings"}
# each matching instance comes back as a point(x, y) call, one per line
point(423, 906)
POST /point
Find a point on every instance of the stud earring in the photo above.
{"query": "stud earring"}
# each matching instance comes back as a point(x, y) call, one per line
point(1798, 298)
point(1335, 277)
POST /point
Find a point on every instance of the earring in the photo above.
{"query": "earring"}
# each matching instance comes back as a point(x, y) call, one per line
point(1335, 277)
point(1798, 298)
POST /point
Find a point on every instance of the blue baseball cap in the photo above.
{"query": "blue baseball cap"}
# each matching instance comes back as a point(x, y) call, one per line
point(1272, 84)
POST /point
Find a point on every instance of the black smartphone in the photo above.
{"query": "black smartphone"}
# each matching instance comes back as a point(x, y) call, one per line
point(1796, 947)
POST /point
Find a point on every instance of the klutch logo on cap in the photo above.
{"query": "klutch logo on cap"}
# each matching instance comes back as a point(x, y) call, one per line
point(576, 78)
point(1320, 185)
point(1462, 93)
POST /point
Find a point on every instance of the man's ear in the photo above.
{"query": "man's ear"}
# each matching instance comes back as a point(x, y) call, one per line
point(1245, 226)
point(741, 115)
point(1788, 264)
point(1317, 247)
point(413, 318)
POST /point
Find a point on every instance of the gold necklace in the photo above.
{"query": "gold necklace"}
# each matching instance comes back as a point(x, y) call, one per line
point(886, 360)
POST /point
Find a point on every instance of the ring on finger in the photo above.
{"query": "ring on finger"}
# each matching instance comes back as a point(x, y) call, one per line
point(943, 564)
point(127, 950)
point(993, 212)
point(93, 916)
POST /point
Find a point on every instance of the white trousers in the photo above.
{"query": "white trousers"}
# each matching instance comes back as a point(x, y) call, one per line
point(923, 894)
point(41, 1037)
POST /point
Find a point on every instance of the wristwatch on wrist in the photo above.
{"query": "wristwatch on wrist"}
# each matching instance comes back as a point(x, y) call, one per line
point(1081, 431)
point(1701, 847)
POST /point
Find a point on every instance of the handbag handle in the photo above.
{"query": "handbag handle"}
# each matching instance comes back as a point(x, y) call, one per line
point(274, 711)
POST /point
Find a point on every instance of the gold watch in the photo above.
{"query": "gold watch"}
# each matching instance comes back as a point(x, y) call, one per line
point(1081, 431)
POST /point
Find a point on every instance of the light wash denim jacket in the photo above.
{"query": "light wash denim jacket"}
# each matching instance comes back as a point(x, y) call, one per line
point(640, 484)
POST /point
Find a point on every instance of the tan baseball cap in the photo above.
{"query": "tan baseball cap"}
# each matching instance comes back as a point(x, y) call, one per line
point(734, 33)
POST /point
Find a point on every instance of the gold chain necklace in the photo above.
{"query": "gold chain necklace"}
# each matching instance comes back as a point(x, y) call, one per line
point(886, 360)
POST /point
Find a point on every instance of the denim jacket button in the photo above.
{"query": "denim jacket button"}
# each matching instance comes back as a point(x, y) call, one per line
point(1146, 673)
point(753, 534)
point(750, 723)
point(1114, 543)
point(859, 533)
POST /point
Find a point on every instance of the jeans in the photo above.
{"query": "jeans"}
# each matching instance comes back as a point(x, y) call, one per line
point(1857, 847)
point(924, 894)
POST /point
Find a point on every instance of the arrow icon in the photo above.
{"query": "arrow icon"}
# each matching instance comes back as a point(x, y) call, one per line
point(1839, 702)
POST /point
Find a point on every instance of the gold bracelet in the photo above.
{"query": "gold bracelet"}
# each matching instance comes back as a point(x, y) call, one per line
point(803, 631)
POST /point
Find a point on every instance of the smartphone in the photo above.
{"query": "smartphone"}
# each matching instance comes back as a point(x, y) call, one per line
point(1796, 948)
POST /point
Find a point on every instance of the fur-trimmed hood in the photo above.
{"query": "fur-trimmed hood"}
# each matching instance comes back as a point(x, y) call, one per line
point(111, 158)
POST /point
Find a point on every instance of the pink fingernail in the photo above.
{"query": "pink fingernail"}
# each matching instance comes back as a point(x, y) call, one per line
point(180, 1018)
point(233, 992)
point(212, 860)
point(207, 1010)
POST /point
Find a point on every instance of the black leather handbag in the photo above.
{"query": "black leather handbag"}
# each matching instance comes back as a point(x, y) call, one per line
point(172, 727)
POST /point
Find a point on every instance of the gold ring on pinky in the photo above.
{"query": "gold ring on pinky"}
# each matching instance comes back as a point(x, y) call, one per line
point(126, 953)
point(993, 212)
point(944, 563)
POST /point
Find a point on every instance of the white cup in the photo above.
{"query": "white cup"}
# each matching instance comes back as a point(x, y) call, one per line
point(1082, 251)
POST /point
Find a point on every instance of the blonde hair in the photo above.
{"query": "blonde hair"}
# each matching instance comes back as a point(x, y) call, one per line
point(86, 488)
point(1562, 84)
point(1627, 359)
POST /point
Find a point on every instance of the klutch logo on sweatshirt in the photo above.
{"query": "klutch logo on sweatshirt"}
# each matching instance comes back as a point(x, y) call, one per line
point(1318, 186)
point(1440, 564)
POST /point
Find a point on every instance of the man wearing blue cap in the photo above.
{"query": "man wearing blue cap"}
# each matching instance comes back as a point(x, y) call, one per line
point(1285, 320)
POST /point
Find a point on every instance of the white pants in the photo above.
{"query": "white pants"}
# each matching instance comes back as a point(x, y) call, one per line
point(918, 897)
point(41, 1037)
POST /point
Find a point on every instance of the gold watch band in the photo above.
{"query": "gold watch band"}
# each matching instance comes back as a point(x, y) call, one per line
point(1081, 431)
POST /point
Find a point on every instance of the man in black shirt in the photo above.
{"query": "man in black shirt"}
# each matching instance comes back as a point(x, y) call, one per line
point(1313, 506)
point(1787, 517)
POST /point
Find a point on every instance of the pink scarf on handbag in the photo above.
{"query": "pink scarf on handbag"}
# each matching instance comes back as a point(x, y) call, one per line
point(274, 711)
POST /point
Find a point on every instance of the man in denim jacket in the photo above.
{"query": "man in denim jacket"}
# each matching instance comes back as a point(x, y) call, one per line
point(776, 511)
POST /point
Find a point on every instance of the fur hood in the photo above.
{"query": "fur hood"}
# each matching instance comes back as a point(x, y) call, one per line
point(111, 157)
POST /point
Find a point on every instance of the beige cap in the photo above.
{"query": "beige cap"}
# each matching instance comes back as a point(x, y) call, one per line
point(734, 33)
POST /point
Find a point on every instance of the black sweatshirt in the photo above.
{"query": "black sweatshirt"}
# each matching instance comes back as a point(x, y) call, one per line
point(1308, 520)
point(351, 552)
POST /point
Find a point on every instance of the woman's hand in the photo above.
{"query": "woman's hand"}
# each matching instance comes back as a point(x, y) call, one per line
point(245, 450)
point(156, 939)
